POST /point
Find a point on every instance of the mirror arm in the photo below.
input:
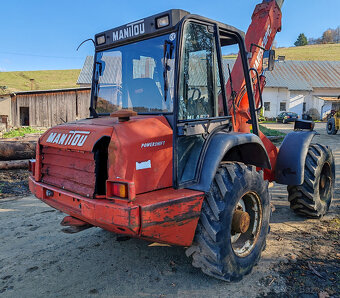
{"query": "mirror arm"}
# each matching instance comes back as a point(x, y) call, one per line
point(256, 45)
point(258, 87)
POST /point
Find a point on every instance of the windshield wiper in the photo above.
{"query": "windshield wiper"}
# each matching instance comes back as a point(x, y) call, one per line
point(99, 69)
point(233, 93)
point(167, 54)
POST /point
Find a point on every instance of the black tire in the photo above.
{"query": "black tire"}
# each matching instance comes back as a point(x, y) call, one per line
point(330, 126)
point(212, 251)
point(314, 196)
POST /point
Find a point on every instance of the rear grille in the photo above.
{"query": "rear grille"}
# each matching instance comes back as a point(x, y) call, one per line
point(70, 170)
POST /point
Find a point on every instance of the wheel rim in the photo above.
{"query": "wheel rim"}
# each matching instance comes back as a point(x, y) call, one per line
point(329, 126)
point(325, 182)
point(244, 243)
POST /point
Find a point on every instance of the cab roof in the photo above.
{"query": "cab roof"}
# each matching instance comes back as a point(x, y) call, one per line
point(148, 27)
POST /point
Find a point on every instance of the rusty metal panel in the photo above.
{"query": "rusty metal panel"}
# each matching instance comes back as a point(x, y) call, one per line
point(167, 215)
point(70, 170)
point(300, 75)
point(305, 75)
point(170, 216)
point(113, 216)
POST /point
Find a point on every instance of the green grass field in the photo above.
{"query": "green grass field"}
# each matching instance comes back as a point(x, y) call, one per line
point(270, 132)
point(329, 52)
point(43, 80)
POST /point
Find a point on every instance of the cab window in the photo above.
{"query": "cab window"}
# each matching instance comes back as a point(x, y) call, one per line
point(198, 90)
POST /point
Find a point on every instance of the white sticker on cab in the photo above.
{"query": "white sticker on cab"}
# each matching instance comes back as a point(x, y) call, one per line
point(143, 165)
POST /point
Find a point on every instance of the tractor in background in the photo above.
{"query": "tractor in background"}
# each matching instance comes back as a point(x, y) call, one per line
point(333, 122)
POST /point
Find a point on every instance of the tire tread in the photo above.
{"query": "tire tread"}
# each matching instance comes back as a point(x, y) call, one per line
point(304, 199)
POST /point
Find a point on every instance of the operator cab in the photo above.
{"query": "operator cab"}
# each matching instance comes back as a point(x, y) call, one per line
point(171, 64)
point(147, 64)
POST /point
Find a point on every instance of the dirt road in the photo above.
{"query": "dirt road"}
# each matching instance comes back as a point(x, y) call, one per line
point(38, 260)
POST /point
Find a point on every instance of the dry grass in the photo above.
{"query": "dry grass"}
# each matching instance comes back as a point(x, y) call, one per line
point(329, 52)
point(43, 80)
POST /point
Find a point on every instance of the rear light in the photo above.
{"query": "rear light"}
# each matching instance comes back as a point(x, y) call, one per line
point(120, 189)
point(31, 166)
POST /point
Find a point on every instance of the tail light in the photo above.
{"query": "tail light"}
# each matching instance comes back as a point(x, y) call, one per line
point(120, 189)
point(31, 166)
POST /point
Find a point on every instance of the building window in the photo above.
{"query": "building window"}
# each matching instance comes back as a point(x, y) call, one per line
point(282, 106)
point(304, 107)
point(267, 106)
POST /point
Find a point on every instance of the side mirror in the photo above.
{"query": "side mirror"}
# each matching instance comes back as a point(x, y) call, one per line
point(268, 60)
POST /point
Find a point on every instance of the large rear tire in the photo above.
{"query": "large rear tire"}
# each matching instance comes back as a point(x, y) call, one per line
point(314, 196)
point(225, 246)
point(330, 126)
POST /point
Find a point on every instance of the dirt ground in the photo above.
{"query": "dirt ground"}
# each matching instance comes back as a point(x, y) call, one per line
point(37, 259)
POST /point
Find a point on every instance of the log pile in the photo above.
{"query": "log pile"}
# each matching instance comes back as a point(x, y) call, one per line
point(14, 164)
point(15, 155)
point(13, 150)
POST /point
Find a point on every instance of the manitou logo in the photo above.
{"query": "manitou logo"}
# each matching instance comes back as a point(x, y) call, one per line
point(73, 138)
point(132, 29)
point(263, 45)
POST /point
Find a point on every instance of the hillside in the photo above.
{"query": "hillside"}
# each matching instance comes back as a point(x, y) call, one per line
point(329, 52)
point(58, 79)
point(43, 80)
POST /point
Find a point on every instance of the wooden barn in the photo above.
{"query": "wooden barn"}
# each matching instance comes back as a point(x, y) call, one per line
point(47, 108)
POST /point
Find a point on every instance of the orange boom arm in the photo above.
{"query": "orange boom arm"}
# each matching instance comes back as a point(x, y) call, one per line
point(266, 22)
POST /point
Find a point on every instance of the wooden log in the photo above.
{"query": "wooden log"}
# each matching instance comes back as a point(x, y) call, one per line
point(14, 164)
point(15, 150)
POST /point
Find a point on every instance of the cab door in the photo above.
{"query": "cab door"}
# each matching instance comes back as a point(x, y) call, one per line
point(201, 101)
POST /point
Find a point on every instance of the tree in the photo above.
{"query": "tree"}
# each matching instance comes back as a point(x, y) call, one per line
point(301, 40)
point(314, 40)
point(327, 36)
point(336, 35)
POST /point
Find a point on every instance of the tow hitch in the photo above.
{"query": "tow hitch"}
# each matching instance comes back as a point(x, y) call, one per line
point(74, 225)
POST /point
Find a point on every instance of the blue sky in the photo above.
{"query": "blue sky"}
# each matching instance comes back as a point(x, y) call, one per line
point(44, 34)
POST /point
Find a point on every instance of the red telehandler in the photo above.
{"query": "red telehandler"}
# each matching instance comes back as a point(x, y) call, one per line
point(172, 151)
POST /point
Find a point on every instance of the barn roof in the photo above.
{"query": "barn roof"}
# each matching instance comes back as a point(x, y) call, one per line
point(294, 75)
point(305, 75)
point(85, 76)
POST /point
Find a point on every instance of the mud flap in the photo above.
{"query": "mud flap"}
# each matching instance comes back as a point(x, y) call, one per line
point(290, 164)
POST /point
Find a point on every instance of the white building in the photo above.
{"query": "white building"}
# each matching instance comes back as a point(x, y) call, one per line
point(299, 86)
